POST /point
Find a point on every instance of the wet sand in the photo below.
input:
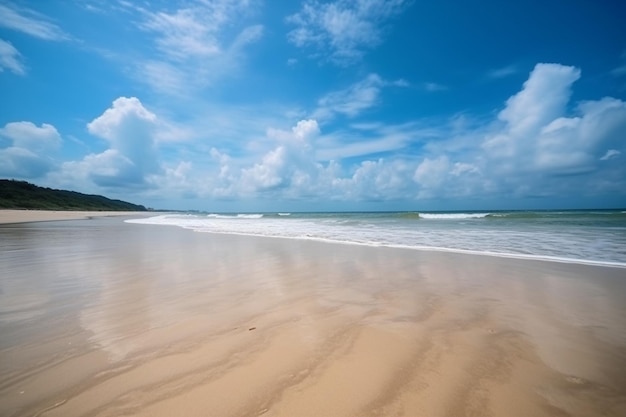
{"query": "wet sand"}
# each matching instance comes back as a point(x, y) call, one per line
point(103, 318)
point(27, 216)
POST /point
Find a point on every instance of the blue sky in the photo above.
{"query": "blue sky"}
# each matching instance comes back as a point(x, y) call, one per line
point(249, 105)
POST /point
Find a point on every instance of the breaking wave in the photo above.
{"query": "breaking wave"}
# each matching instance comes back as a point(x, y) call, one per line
point(574, 236)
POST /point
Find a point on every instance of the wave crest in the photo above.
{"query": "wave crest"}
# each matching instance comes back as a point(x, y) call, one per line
point(234, 216)
point(453, 216)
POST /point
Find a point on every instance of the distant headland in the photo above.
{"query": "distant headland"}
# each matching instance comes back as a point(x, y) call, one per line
point(23, 195)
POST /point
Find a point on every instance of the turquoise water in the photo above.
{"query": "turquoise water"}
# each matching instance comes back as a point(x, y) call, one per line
point(590, 236)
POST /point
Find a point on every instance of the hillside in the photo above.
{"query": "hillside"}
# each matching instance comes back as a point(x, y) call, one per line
point(23, 195)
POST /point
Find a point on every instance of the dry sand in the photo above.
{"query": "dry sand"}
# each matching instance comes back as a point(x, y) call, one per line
point(102, 318)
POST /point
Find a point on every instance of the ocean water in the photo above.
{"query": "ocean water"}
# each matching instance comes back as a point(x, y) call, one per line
point(590, 236)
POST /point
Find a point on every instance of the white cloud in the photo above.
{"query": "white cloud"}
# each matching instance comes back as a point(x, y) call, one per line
point(539, 144)
point(269, 173)
point(112, 169)
point(30, 149)
point(537, 135)
point(163, 77)
point(22, 163)
point(359, 142)
point(430, 173)
point(535, 147)
point(198, 44)
point(542, 99)
point(375, 181)
point(27, 135)
point(503, 72)
point(461, 168)
point(124, 116)
point(290, 164)
point(306, 129)
point(292, 169)
point(185, 33)
point(30, 22)
point(538, 147)
point(247, 36)
point(352, 100)
point(130, 130)
point(355, 99)
point(343, 30)
point(10, 58)
point(197, 31)
point(610, 154)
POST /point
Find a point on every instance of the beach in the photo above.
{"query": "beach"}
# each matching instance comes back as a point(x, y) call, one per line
point(26, 216)
point(99, 317)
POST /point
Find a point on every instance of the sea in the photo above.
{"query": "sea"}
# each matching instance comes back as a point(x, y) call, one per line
point(578, 236)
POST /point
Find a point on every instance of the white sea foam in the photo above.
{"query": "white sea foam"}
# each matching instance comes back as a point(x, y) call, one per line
point(511, 239)
point(452, 216)
point(235, 216)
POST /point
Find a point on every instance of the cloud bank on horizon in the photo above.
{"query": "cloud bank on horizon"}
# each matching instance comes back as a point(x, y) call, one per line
point(317, 105)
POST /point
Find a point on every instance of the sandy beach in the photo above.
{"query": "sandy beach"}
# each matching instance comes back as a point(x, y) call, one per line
point(27, 216)
point(103, 318)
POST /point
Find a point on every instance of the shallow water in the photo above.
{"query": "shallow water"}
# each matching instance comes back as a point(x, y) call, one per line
point(575, 236)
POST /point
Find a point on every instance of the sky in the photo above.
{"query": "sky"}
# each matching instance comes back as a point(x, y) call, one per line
point(251, 105)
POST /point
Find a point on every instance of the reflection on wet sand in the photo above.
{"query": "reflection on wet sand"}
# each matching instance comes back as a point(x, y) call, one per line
point(104, 318)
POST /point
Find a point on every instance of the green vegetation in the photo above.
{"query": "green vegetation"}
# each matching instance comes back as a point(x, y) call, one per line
point(23, 195)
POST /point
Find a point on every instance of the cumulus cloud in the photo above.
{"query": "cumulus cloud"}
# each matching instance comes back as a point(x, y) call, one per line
point(374, 180)
point(22, 163)
point(28, 135)
point(130, 130)
point(288, 165)
point(430, 173)
point(123, 118)
point(542, 99)
point(537, 134)
point(111, 168)
point(306, 129)
point(10, 58)
point(29, 152)
point(539, 144)
point(440, 177)
point(343, 30)
point(536, 146)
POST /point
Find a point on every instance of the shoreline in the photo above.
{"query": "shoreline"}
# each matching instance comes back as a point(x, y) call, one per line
point(16, 216)
point(520, 256)
point(174, 322)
